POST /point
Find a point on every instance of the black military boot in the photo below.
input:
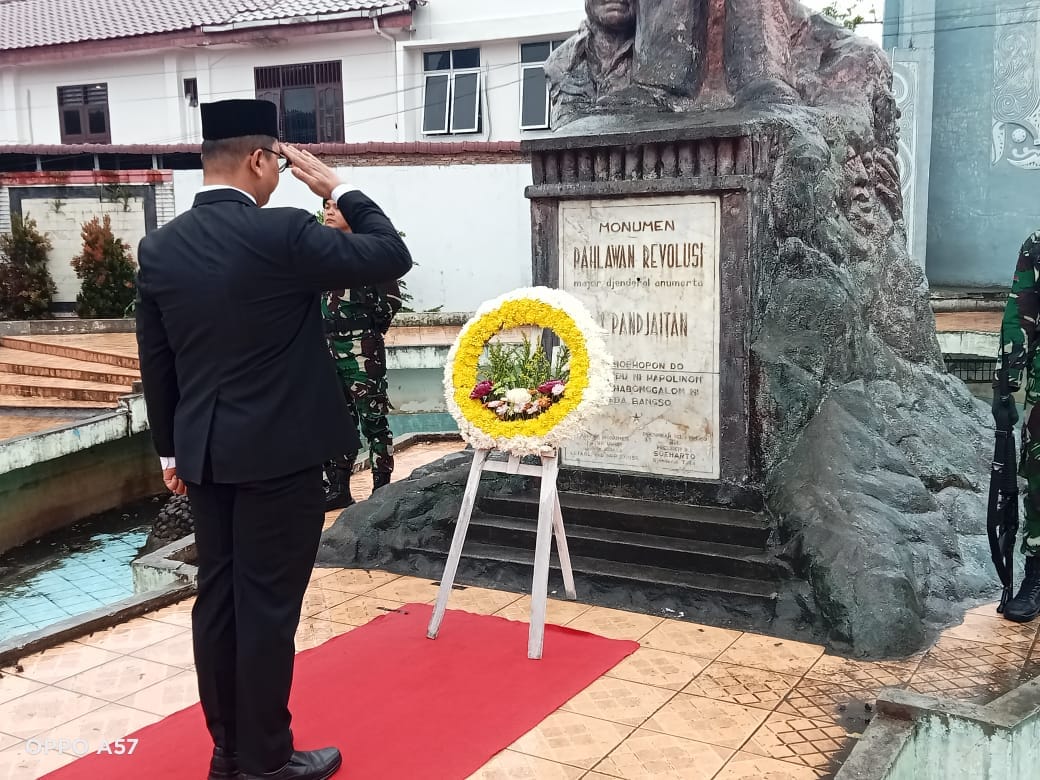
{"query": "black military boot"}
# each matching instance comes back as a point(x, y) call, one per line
point(1026, 605)
point(337, 492)
point(380, 479)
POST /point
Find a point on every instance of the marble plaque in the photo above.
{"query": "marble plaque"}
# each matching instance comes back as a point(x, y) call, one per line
point(648, 270)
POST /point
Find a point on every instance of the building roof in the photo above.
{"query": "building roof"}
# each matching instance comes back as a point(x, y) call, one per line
point(27, 24)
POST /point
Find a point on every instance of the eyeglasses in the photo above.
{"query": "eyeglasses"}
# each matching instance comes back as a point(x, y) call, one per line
point(285, 160)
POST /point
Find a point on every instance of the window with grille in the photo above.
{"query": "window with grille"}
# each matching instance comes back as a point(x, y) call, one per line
point(309, 97)
point(451, 92)
point(83, 114)
point(534, 89)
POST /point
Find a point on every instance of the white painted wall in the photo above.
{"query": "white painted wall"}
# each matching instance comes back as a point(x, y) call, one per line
point(497, 27)
point(382, 85)
point(467, 226)
point(62, 222)
point(145, 92)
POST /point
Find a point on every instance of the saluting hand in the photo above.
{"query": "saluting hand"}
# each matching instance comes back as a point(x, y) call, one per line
point(321, 179)
point(173, 482)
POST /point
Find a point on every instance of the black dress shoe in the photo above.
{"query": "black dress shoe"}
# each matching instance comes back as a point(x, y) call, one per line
point(223, 765)
point(304, 765)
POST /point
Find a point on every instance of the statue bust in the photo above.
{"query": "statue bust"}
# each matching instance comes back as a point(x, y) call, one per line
point(658, 54)
point(596, 62)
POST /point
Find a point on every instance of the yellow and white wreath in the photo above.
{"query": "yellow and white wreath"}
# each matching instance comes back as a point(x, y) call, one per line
point(528, 420)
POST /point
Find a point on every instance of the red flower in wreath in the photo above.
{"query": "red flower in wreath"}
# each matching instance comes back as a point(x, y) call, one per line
point(481, 389)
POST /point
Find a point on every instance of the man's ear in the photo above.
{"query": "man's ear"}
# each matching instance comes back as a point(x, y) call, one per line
point(255, 161)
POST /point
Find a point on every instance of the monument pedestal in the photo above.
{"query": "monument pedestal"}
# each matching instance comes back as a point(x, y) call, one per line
point(774, 344)
point(656, 229)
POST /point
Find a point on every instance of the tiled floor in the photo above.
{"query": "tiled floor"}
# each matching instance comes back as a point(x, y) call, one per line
point(982, 321)
point(101, 574)
point(13, 425)
point(85, 580)
point(692, 702)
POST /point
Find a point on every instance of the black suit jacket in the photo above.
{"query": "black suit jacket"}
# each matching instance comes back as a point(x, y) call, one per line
point(234, 361)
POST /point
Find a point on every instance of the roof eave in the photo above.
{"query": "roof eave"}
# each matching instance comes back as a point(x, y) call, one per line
point(75, 50)
point(310, 19)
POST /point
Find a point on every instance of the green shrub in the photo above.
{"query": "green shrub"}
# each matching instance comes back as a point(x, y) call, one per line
point(26, 287)
point(107, 270)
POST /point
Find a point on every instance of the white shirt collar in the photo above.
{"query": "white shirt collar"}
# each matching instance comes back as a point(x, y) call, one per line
point(212, 187)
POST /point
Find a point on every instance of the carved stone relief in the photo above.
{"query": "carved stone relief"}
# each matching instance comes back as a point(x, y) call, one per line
point(906, 90)
point(1016, 91)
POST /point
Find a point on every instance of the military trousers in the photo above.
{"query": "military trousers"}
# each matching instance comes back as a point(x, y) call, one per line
point(1029, 469)
point(361, 365)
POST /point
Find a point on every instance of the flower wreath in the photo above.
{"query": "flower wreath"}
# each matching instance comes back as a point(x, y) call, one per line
point(528, 421)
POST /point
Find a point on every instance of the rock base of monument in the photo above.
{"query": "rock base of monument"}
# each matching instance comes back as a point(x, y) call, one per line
point(799, 360)
point(731, 580)
point(811, 330)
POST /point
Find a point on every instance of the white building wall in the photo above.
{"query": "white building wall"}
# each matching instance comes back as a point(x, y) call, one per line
point(369, 79)
point(145, 92)
point(140, 107)
point(485, 20)
point(382, 78)
point(62, 221)
point(468, 226)
point(497, 27)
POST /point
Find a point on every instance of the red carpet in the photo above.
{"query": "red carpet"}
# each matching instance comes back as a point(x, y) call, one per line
point(396, 703)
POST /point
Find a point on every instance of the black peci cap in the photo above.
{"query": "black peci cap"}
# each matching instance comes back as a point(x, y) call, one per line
point(237, 118)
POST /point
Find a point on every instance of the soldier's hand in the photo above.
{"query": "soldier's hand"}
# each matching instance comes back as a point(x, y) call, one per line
point(999, 404)
point(319, 177)
point(174, 483)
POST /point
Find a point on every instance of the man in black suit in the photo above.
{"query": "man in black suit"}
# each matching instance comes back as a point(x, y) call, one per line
point(244, 407)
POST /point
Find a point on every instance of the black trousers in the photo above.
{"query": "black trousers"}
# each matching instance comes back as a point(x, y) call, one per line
point(256, 544)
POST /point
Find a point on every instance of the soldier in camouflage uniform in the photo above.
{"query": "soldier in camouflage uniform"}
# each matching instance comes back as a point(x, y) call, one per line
point(1018, 343)
point(356, 322)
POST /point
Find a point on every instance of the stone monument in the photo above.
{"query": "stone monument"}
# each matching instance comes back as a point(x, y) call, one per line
point(721, 189)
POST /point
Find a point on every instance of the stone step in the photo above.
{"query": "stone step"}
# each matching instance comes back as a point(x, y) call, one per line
point(665, 552)
point(11, 401)
point(66, 389)
point(75, 348)
point(624, 584)
point(15, 425)
point(636, 516)
point(14, 361)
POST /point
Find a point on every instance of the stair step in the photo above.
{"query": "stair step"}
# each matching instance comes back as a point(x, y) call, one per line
point(708, 524)
point(711, 586)
point(65, 347)
point(667, 552)
point(37, 364)
point(69, 389)
point(12, 401)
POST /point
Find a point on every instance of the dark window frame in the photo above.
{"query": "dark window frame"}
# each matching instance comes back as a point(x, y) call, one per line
point(325, 79)
point(83, 100)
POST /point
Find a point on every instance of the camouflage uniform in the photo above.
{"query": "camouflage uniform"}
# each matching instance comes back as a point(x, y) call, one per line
point(1018, 333)
point(356, 322)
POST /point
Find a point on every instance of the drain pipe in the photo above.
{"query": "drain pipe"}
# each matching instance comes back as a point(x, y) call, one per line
point(381, 32)
point(398, 73)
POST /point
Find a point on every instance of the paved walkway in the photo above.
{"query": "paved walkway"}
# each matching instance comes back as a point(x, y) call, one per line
point(13, 425)
point(978, 321)
point(693, 702)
